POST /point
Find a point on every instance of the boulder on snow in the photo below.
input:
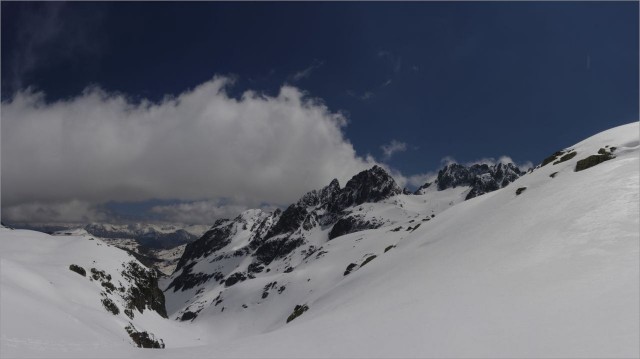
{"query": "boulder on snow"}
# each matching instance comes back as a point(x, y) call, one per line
point(297, 311)
point(76, 268)
point(592, 160)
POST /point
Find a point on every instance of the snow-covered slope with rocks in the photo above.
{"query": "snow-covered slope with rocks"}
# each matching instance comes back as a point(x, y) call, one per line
point(551, 272)
point(162, 259)
point(547, 266)
point(256, 244)
point(65, 296)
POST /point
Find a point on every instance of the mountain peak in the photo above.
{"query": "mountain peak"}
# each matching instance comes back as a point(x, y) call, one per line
point(372, 185)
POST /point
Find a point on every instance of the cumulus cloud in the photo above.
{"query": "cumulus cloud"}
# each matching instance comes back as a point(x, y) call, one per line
point(200, 211)
point(390, 149)
point(447, 160)
point(72, 211)
point(202, 144)
point(417, 180)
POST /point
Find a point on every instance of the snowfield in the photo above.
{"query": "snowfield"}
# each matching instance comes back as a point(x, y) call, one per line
point(553, 271)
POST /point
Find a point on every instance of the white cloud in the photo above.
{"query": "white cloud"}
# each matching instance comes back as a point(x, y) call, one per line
point(447, 160)
point(367, 95)
point(392, 148)
point(199, 212)
point(72, 211)
point(415, 181)
point(202, 144)
point(307, 72)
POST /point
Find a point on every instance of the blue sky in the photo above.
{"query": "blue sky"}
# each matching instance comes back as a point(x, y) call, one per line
point(430, 80)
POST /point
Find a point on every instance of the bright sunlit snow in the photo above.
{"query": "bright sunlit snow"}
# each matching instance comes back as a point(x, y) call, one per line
point(550, 272)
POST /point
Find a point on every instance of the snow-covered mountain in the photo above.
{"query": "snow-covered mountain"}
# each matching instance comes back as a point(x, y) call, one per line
point(258, 244)
point(487, 261)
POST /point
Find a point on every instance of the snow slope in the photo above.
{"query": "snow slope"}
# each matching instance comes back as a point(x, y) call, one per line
point(48, 310)
point(551, 272)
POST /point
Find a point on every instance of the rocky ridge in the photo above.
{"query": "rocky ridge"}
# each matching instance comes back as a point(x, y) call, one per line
point(481, 178)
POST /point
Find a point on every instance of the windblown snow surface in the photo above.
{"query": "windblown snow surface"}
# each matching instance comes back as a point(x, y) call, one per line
point(551, 272)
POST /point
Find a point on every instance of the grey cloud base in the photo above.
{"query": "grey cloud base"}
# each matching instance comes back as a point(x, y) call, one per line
point(200, 145)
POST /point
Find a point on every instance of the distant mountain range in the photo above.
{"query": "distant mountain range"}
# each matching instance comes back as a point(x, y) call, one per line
point(148, 235)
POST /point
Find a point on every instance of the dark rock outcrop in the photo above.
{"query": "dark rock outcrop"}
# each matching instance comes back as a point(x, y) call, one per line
point(76, 268)
point(234, 278)
point(144, 339)
point(551, 158)
point(277, 248)
point(351, 224)
point(144, 293)
point(187, 279)
point(423, 187)
point(373, 185)
point(591, 161)
point(213, 240)
point(482, 178)
point(298, 213)
point(297, 311)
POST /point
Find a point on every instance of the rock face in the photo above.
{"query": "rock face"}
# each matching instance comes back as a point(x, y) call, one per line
point(593, 160)
point(214, 239)
point(144, 293)
point(372, 185)
point(482, 178)
point(351, 224)
point(144, 339)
